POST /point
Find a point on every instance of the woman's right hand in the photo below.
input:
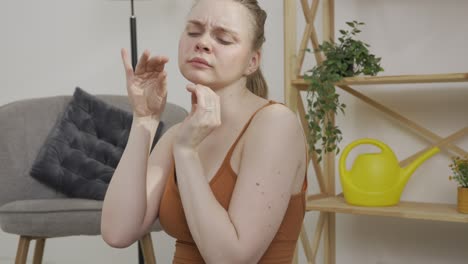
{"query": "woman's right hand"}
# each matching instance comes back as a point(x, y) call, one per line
point(146, 86)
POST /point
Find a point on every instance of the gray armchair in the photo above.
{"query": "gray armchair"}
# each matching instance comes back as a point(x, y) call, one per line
point(31, 209)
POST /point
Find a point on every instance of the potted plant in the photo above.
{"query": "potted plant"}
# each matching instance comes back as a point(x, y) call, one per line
point(459, 167)
point(346, 58)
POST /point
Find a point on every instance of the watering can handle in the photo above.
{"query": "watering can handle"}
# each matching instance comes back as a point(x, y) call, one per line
point(354, 144)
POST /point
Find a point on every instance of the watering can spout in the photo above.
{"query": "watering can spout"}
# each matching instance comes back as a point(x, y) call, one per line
point(409, 169)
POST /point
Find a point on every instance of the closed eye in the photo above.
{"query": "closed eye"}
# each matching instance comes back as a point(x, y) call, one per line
point(193, 34)
point(224, 42)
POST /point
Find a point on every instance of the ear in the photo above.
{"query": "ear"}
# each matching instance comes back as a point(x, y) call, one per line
point(254, 62)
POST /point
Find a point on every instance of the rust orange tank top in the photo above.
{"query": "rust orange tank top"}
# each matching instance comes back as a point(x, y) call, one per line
point(172, 217)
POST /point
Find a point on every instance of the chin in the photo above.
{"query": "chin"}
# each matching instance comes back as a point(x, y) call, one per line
point(197, 77)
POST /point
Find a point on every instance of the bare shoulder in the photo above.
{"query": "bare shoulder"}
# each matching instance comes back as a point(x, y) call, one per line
point(277, 125)
point(275, 149)
point(279, 118)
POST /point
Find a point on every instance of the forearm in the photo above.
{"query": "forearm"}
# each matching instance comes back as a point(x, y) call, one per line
point(210, 224)
point(124, 206)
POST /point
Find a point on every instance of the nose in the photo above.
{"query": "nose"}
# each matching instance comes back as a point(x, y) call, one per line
point(203, 44)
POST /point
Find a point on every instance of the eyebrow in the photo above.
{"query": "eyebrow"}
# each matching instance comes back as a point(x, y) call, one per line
point(223, 29)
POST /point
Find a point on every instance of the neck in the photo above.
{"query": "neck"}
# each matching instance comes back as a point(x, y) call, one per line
point(235, 99)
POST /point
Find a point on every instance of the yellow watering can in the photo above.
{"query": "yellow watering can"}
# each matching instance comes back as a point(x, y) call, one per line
point(376, 179)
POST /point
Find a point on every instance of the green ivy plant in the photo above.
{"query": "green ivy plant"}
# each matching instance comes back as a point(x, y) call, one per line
point(459, 167)
point(349, 57)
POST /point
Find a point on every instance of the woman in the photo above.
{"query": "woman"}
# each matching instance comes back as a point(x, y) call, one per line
point(229, 181)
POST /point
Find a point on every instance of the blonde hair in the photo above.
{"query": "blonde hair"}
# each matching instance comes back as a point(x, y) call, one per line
point(256, 82)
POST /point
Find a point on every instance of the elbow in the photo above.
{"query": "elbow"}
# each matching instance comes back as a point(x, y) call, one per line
point(116, 239)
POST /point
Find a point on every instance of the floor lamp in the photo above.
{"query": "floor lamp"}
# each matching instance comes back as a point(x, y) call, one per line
point(134, 54)
point(133, 36)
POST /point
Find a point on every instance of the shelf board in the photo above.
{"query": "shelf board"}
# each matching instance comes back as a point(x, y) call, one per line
point(396, 79)
point(412, 210)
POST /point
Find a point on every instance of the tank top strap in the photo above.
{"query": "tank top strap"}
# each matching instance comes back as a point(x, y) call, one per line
point(306, 183)
point(231, 149)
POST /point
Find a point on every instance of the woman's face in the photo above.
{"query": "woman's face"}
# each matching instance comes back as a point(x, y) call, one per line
point(215, 48)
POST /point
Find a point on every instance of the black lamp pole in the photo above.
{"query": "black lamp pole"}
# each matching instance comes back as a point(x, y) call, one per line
point(134, 47)
point(133, 37)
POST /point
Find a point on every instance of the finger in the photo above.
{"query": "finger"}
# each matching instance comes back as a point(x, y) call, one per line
point(159, 86)
point(198, 100)
point(213, 101)
point(191, 88)
point(157, 63)
point(162, 79)
point(210, 97)
point(141, 65)
point(201, 99)
point(194, 108)
point(218, 109)
point(162, 76)
point(126, 61)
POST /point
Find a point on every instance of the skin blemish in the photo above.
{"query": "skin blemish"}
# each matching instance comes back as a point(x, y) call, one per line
point(258, 184)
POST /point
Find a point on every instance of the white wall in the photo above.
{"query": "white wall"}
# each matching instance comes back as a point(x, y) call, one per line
point(49, 47)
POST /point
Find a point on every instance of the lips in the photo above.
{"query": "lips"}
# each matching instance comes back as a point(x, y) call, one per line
point(200, 61)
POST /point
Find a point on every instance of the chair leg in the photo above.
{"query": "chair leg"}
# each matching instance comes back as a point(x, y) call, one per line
point(39, 251)
point(141, 259)
point(148, 250)
point(22, 252)
point(296, 255)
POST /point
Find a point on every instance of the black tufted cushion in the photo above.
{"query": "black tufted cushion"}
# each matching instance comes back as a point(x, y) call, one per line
point(83, 148)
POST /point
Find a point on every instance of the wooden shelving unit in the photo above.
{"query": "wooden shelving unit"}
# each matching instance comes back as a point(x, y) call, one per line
point(410, 210)
point(327, 202)
point(397, 79)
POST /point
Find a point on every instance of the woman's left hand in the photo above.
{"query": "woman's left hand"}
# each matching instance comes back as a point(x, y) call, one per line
point(204, 117)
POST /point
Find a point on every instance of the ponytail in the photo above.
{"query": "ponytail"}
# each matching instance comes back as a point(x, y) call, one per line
point(256, 84)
